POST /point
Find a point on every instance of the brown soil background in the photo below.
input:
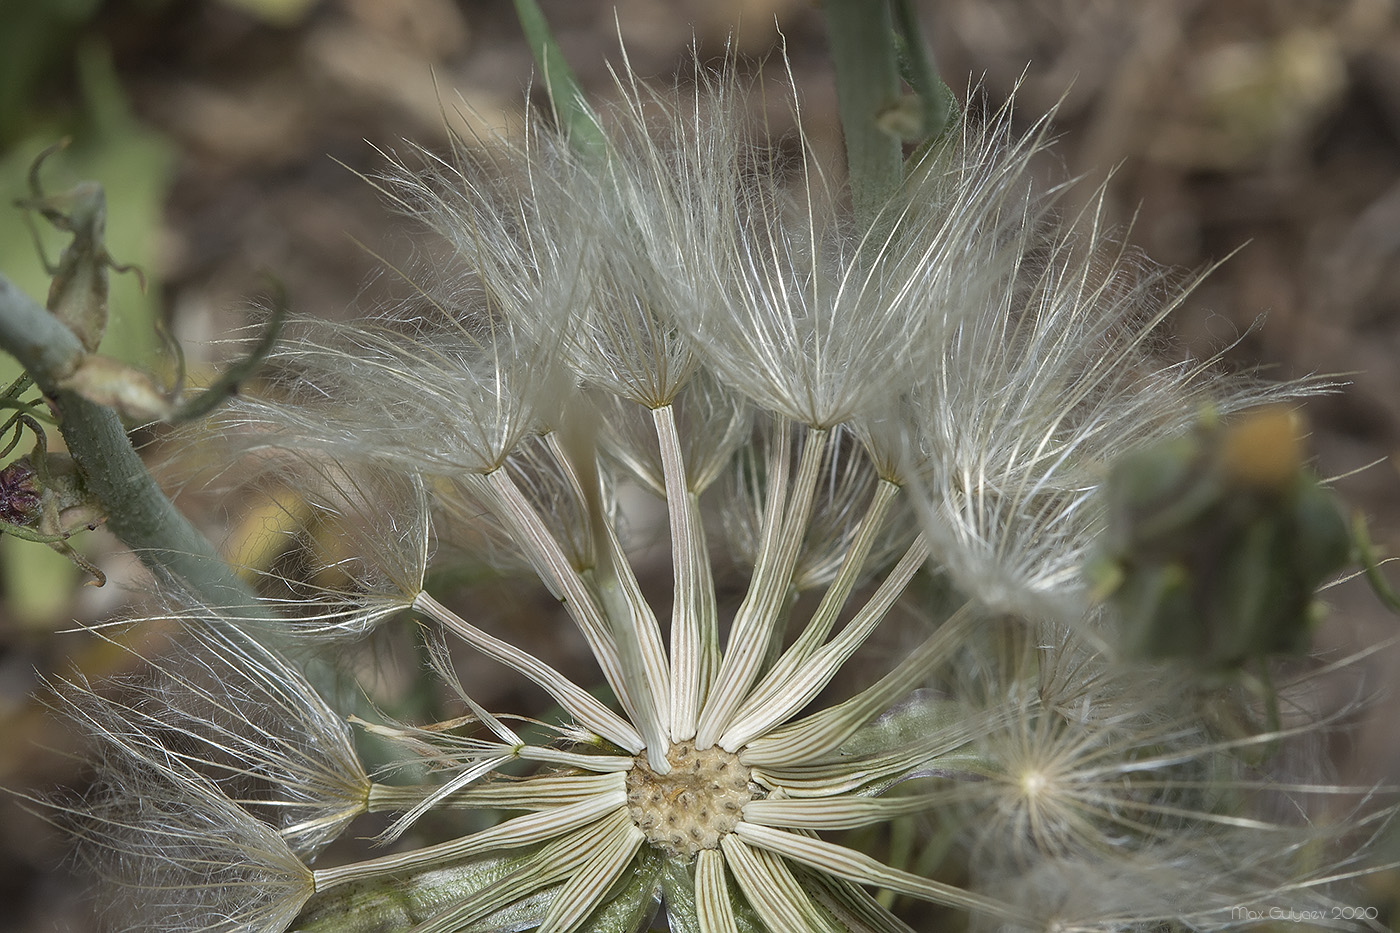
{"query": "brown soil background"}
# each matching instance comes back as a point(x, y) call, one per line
point(1267, 127)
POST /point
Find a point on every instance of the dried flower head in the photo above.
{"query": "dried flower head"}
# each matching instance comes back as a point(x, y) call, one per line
point(936, 407)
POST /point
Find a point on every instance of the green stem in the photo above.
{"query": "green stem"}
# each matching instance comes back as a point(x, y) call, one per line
point(137, 511)
point(1371, 564)
point(570, 108)
point(41, 342)
point(935, 99)
point(861, 34)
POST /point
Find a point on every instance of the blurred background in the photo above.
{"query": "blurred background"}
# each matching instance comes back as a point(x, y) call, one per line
point(229, 135)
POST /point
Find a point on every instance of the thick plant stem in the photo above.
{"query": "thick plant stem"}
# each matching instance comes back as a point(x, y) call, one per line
point(137, 511)
point(861, 34)
point(46, 348)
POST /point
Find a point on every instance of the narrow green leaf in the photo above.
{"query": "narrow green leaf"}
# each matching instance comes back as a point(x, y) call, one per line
point(570, 107)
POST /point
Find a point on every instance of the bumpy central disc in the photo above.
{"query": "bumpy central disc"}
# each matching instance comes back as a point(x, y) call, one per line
point(692, 807)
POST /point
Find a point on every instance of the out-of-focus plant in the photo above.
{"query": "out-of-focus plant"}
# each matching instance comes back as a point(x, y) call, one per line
point(925, 406)
point(51, 45)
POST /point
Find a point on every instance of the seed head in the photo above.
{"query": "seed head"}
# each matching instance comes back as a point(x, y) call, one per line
point(915, 427)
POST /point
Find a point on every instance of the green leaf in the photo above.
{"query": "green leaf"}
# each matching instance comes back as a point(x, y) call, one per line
point(570, 106)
